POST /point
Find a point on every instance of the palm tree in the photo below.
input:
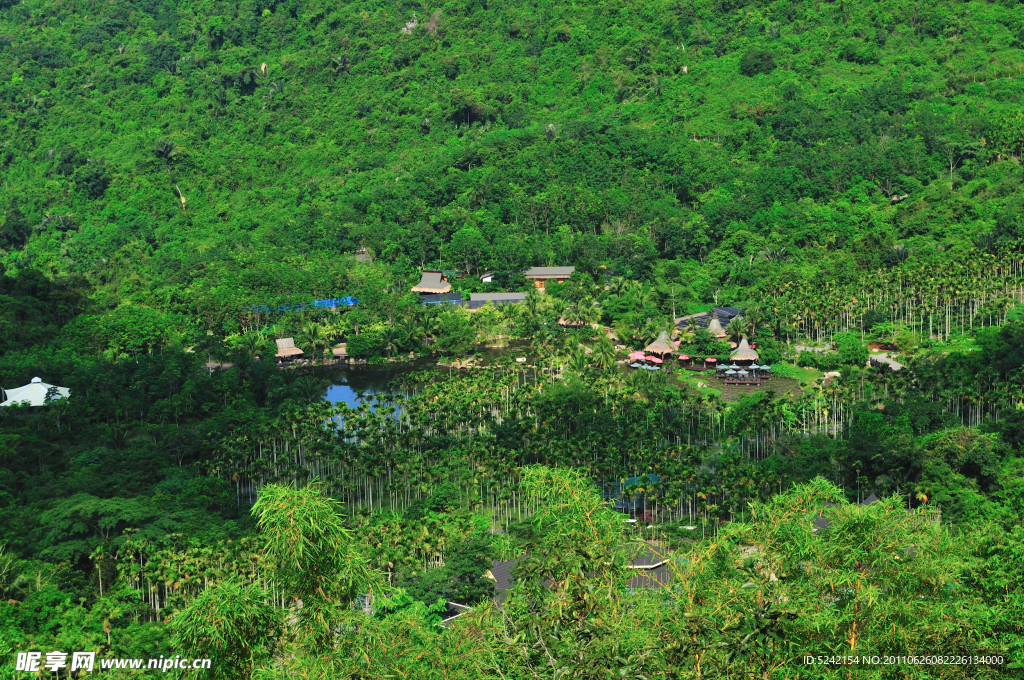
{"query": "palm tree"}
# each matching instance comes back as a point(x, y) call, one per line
point(314, 335)
point(737, 328)
point(308, 390)
point(253, 343)
point(412, 330)
point(578, 364)
point(533, 305)
point(986, 242)
point(686, 335)
point(510, 315)
point(576, 314)
point(392, 339)
point(774, 254)
point(899, 253)
point(628, 328)
point(619, 285)
point(641, 296)
point(754, 317)
point(604, 354)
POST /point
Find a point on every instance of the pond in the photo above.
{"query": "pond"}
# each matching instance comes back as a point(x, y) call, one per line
point(349, 381)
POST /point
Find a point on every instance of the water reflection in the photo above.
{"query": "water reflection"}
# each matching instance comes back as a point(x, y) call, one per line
point(368, 380)
point(350, 381)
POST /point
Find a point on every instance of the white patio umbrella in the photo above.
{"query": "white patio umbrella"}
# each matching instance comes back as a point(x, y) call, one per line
point(34, 394)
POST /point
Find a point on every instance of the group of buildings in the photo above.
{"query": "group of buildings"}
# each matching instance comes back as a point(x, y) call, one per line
point(434, 287)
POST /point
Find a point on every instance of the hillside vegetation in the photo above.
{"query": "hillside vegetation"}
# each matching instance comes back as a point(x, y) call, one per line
point(716, 144)
point(847, 173)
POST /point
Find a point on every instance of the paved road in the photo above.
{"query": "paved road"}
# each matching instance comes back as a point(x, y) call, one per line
point(886, 359)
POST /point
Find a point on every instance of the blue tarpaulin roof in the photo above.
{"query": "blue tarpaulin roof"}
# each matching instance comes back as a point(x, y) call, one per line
point(329, 303)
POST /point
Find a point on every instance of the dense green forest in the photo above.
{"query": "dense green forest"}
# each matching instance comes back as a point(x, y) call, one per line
point(847, 173)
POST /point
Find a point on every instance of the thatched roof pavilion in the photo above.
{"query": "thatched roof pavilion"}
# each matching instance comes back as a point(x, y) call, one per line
point(744, 356)
point(715, 328)
point(286, 348)
point(661, 346)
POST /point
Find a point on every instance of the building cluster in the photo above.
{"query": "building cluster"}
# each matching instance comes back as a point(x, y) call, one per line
point(434, 287)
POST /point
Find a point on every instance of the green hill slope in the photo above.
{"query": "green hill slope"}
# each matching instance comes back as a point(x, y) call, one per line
point(735, 140)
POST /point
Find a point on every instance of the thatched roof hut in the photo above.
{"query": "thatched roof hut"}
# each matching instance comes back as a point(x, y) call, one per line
point(743, 353)
point(286, 348)
point(661, 346)
point(432, 281)
point(715, 328)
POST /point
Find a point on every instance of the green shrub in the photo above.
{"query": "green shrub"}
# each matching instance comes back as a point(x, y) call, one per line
point(769, 350)
point(851, 350)
point(829, 361)
point(807, 359)
point(445, 498)
point(757, 61)
point(456, 336)
point(366, 345)
point(859, 52)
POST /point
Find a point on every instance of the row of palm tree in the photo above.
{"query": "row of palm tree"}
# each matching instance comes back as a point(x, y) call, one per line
point(935, 302)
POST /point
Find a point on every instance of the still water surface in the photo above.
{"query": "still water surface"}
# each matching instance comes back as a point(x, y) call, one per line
point(350, 381)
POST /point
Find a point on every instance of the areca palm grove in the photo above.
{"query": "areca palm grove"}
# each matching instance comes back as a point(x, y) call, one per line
point(185, 183)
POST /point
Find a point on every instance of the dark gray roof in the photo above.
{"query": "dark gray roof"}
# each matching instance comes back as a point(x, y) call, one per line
point(441, 297)
point(822, 522)
point(549, 272)
point(702, 319)
point(497, 297)
point(649, 566)
point(478, 304)
point(502, 572)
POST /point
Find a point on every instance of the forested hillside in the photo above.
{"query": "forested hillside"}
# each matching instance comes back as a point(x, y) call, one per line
point(740, 141)
point(176, 176)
